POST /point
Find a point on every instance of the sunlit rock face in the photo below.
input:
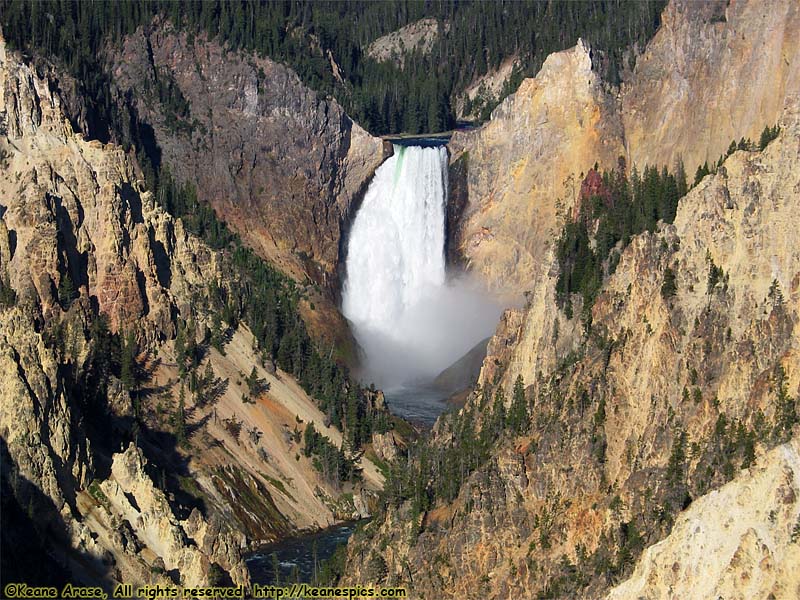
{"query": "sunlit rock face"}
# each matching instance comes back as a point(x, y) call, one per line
point(714, 72)
point(524, 167)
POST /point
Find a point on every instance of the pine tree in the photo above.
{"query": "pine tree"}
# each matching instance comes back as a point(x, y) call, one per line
point(66, 291)
point(253, 384)
point(701, 172)
point(769, 134)
point(680, 178)
point(310, 440)
point(669, 288)
point(180, 420)
point(775, 294)
point(498, 413)
point(217, 333)
point(748, 445)
point(8, 297)
point(180, 349)
point(518, 412)
point(676, 471)
point(208, 375)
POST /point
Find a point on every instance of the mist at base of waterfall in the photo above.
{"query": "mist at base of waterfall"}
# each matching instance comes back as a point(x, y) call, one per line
point(431, 334)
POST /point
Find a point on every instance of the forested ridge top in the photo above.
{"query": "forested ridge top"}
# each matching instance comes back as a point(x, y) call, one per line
point(326, 43)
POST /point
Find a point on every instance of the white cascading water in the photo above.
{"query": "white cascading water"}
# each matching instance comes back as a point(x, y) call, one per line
point(409, 320)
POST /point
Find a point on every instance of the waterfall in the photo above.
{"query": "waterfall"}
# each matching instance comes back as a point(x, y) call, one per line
point(396, 245)
point(409, 320)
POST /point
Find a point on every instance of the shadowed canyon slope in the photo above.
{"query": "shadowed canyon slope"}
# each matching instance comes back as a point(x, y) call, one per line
point(88, 252)
point(73, 208)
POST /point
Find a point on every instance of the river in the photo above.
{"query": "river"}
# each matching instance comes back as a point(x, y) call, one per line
point(297, 553)
point(420, 404)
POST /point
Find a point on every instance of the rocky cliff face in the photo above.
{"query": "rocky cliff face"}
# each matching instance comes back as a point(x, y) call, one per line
point(522, 167)
point(714, 72)
point(279, 164)
point(79, 235)
point(660, 400)
point(742, 538)
point(127, 515)
point(485, 89)
point(91, 464)
point(76, 210)
point(414, 37)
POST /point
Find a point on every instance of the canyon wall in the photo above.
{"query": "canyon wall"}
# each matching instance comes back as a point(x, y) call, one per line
point(523, 167)
point(93, 468)
point(74, 211)
point(655, 400)
point(742, 538)
point(277, 162)
point(714, 72)
point(665, 400)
